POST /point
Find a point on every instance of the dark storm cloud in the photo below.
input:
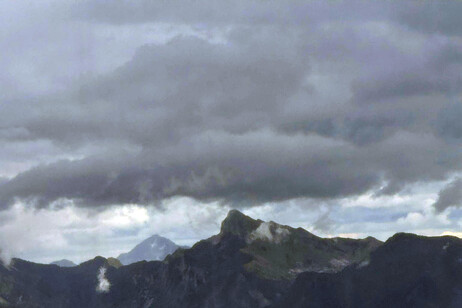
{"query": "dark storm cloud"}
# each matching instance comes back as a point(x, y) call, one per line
point(434, 17)
point(182, 88)
point(219, 13)
point(429, 17)
point(436, 71)
point(449, 122)
point(325, 100)
point(243, 170)
point(451, 195)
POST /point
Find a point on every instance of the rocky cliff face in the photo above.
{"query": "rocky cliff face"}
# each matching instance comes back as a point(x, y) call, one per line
point(251, 263)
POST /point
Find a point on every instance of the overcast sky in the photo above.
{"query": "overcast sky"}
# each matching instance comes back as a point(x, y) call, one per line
point(121, 119)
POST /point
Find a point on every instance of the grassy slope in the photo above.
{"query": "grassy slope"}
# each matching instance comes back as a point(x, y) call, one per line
point(298, 251)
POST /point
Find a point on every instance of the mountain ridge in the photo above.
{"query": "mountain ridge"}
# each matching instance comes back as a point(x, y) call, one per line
point(308, 252)
point(236, 268)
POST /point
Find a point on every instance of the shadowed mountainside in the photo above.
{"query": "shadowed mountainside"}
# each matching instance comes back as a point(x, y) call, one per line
point(407, 271)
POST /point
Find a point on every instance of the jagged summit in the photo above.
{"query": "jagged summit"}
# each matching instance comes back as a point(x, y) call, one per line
point(246, 227)
point(280, 251)
point(239, 224)
point(153, 248)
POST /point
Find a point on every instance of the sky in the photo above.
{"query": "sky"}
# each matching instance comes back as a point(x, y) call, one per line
point(122, 119)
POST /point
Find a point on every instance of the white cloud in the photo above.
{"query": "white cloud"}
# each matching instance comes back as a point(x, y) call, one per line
point(347, 235)
point(452, 233)
point(413, 218)
point(125, 217)
point(80, 234)
point(103, 284)
point(24, 230)
point(268, 231)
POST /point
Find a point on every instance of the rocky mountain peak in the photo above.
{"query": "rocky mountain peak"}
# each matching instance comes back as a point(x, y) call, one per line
point(153, 248)
point(237, 223)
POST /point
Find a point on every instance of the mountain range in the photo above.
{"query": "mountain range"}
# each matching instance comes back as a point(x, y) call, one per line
point(252, 263)
point(154, 248)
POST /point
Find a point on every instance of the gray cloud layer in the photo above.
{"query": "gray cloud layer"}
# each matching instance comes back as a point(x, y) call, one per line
point(322, 101)
point(451, 195)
